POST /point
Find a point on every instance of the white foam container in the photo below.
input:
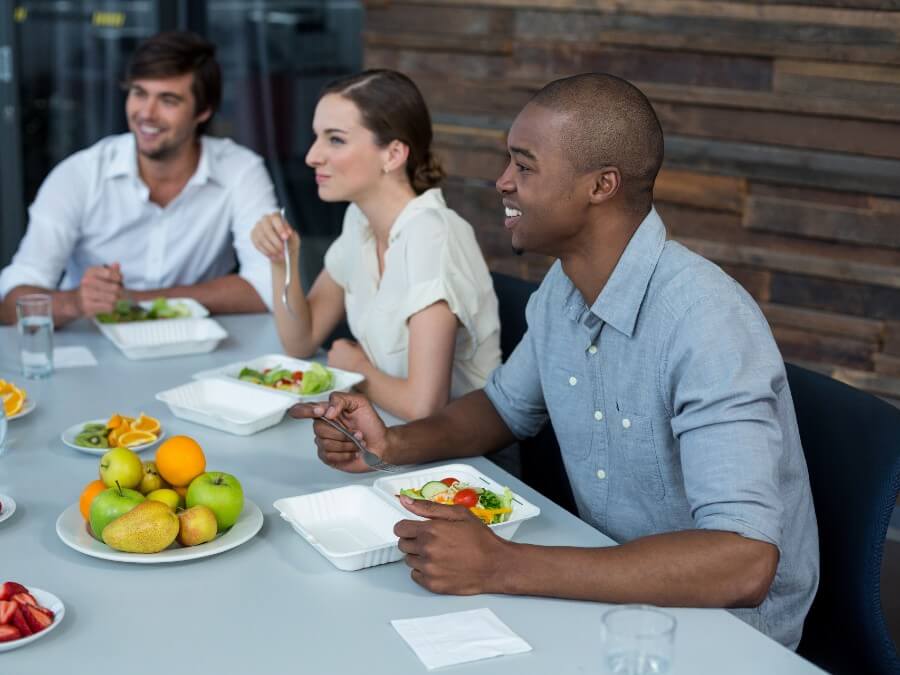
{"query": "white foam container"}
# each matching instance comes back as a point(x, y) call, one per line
point(226, 406)
point(164, 338)
point(353, 526)
point(343, 379)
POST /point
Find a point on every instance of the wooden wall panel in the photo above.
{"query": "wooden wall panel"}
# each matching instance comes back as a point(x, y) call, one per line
point(782, 122)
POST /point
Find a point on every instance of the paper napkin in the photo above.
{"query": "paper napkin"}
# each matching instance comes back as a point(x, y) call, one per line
point(459, 637)
point(73, 357)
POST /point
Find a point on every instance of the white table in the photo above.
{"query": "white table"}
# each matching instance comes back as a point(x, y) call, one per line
point(272, 605)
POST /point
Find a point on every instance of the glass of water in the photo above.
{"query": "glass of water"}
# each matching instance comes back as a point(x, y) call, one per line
point(35, 322)
point(638, 640)
point(3, 425)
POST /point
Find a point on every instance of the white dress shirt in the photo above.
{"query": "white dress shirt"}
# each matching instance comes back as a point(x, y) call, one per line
point(432, 255)
point(94, 209)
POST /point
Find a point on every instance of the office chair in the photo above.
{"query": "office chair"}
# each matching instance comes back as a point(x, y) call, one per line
point(851, 440)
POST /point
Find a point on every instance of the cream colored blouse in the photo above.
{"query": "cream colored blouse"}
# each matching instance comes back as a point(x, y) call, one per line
point(432, 255)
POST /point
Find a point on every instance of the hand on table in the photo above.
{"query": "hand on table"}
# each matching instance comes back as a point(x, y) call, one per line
point(101, 287)
point(347, 355)
point(269, 235)
point(357, 415)
point(453, 552)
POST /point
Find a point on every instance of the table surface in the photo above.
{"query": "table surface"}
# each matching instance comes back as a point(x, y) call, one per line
point(273, 604)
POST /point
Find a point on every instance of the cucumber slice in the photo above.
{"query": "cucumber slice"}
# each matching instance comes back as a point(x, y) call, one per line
point(432, 488)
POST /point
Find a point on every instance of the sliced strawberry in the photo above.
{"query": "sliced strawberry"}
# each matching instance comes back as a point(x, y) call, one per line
point(7, 608)
point(20, 622)
point(25, 599)
point(10, 588)
point(8, 633)
point(37, 620)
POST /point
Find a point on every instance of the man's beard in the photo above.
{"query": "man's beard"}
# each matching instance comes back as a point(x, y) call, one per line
point(160, 153)
point(518, 251)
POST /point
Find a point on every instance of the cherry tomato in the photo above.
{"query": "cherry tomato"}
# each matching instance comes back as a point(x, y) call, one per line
point(285, 381)
point(449, 481)
point(297, 375)
point(467, 498)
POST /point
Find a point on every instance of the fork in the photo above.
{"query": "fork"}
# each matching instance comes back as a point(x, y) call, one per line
point(287, 275)
point(369, 457)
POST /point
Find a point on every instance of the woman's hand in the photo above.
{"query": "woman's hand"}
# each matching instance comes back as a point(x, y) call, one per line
point(269, 235)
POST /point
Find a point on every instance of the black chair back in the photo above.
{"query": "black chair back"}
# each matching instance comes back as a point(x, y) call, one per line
point(851, 441)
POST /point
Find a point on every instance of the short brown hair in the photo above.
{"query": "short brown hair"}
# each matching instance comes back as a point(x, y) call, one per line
point(392, 108)
point(176, 53)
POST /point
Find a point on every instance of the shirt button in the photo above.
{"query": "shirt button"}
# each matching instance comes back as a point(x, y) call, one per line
point(626, 423)
point(592, 349)
point(601, 474)
point(598, 415)
point(573, 381)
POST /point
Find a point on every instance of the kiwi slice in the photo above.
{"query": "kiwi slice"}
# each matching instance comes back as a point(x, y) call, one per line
point(95, 427)
point(91, 439)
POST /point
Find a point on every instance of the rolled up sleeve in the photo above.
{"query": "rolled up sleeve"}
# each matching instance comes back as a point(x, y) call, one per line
point(515, 389)
point(723, 374)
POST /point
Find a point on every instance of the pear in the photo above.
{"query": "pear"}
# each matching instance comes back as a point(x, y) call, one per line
point(149, 527)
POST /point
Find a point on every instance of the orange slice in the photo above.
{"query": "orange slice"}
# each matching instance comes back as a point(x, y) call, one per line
point(146, 423)
point(132, 439)
point(13, 401)
point(117, 433)
point(6, 387)
point(114, 421)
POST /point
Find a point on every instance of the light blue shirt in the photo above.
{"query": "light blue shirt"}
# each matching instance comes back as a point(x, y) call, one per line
point(671, 406)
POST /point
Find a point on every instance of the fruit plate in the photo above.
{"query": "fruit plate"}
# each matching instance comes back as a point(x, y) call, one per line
point(73, 530)
point(29, 405)
point(68, 437)
point(7, 508)
point(44, 599)
point(343, 379)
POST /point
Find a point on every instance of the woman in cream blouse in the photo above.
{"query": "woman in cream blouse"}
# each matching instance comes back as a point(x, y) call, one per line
point(406, 270)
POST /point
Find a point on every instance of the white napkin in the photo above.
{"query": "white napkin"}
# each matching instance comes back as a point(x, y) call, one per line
point(72, 357)
point(459, 637)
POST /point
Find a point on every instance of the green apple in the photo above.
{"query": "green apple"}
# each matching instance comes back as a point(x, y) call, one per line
point(167, 496)
point(221, 492)
point(151, 480)
point(109, 505)
point(122, 467)
point(197, 525)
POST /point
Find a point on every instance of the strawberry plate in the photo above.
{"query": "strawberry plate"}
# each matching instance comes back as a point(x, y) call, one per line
point(47, 600)
point(73, 531)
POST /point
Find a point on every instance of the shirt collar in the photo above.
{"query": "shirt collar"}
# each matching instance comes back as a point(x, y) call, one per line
point(124, 161)
point(620, 300)
point(430, 199)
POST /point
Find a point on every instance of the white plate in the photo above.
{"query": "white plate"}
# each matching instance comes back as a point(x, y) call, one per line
point(8, 506)
point(29, 405)
point(68, 437)
point(227, 405)
point(72, 529)
point(44, 599)
point(343, 379)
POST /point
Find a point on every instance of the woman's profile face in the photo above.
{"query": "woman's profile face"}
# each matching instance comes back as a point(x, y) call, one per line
point(347, 160)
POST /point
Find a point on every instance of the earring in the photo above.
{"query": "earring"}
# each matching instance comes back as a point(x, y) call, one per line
point(384, 170)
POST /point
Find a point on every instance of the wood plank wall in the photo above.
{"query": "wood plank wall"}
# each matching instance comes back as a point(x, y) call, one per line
point(782, 122)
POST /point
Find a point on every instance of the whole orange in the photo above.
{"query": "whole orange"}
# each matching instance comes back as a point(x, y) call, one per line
point(180, 460)
point(91, 490)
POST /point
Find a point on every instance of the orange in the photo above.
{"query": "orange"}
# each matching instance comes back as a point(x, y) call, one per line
point(131, 439)
point(92, 489)
point(114, 421)
point(180, 460)
point(146, 423)
point(13, 401)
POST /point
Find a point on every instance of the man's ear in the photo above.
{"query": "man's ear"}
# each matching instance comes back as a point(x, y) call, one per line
point(605, 184)
point(205, 115)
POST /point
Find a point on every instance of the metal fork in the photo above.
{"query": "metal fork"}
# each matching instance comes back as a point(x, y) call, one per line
point(369, 457)
point(287, 275)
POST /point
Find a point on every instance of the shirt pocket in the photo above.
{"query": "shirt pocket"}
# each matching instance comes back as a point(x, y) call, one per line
point(637, 446)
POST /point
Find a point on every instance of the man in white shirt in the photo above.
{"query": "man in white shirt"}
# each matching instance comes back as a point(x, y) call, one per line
point(160, 211)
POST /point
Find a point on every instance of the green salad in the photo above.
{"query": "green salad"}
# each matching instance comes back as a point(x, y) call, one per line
point(313, 381)
point(126, 311)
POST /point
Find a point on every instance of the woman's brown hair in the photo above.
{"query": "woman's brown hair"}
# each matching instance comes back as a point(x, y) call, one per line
point(392, 108)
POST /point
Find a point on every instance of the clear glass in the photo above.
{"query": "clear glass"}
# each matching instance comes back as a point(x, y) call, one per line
point(35, 323)
point(637, 640)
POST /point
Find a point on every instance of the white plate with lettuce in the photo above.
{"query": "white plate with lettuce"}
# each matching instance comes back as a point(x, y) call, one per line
point(303, 381)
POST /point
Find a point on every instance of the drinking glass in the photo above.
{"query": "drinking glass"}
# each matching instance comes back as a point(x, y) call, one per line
point(637, 640)
point(3, 425)
point(35, 323)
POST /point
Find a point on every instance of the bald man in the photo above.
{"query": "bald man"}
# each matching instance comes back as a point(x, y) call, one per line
point(661, 378)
